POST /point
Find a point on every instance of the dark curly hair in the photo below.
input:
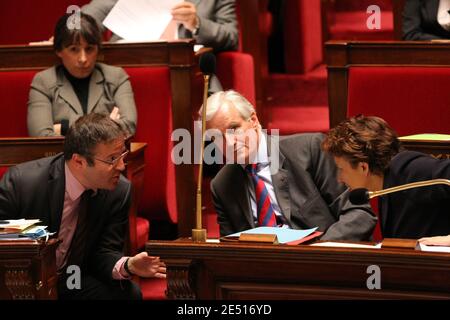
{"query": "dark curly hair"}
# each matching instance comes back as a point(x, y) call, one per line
point(363, 139)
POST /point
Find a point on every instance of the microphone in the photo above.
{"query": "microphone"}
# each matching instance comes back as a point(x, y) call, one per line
point(207, 65)
point(362, 196)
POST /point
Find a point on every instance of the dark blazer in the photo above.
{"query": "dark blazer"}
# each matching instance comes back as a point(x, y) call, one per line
point(419, 212)
point(306, 190)
point(420, 21)
point(36, 190)
point(218, 22)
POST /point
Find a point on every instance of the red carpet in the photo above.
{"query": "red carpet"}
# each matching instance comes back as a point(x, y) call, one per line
point(297, 103)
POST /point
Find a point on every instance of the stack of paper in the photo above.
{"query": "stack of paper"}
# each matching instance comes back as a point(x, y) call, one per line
point(22, 228)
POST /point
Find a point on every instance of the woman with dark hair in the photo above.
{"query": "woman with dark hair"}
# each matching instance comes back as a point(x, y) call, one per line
point(78, 85)
point(368, 155)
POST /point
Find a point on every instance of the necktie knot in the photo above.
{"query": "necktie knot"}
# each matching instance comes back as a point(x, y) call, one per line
point(252, 169)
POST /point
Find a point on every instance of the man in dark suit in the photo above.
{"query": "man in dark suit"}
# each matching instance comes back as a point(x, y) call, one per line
point(82, 196)
point(298, 177)
point(212, 23)
point(426, 20)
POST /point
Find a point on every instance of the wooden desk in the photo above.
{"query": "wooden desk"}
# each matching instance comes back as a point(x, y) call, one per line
point(437, 149)
point(28, 270)
point(17, 150)
point(243, 271)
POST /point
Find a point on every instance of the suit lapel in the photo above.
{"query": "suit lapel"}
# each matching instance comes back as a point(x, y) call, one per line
point(56, 190)
point(95, 89)
point(280, 181)
point(243, 195)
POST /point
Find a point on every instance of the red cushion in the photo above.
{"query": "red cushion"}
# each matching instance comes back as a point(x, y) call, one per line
point(302, 36)
point(153, 288)
point(37, 19)
point(14, 91)
point(142, 231)
point(411, 99)
point(235, 71)
point(151, 87)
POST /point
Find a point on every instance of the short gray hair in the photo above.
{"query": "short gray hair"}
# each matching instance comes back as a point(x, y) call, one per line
point(218, 99)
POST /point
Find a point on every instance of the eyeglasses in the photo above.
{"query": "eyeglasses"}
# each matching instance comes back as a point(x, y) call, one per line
point(114, 161)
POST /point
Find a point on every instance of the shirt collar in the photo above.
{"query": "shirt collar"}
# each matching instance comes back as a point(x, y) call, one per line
point(73, 187)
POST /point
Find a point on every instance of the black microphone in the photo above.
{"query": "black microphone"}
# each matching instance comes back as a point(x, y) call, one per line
point(361, 196)
point(207, 63)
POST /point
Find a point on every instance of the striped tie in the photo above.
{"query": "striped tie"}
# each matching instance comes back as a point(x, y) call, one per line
point(266, 214)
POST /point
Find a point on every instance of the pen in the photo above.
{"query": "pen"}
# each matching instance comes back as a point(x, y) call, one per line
point(4, 221)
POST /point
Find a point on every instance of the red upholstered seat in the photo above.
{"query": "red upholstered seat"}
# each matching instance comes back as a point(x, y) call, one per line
point(14, 89)
point(151, 87)
point(236, 71)
point(411, 99)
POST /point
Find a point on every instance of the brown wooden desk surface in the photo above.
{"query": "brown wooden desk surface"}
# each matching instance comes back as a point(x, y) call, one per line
point(248, 271)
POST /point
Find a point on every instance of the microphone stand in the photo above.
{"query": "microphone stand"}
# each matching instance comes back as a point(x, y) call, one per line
point(373, 194)
point(199, 234)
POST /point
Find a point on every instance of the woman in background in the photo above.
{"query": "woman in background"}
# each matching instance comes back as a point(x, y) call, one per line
point(79, 85)
point(368, 155)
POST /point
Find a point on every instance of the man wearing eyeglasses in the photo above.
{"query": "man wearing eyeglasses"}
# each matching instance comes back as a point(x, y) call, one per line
point(82, 196)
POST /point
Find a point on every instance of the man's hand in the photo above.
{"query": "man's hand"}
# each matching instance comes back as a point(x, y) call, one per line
point(115, 115)
point(436, 241)
point(186, 13)
point(145, 266)
point(57, 129)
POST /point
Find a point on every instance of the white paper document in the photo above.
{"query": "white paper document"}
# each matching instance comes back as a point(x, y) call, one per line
point(140, 20)
point(424, 247)
point(346, 245)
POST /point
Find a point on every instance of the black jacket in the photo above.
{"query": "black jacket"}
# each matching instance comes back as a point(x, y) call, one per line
point(419, 212)
point(36, 189)
point(420, 21)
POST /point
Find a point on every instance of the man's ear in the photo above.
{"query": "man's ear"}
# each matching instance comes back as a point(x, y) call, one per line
point(365, 168)
point(58, 53)
point(78, 160)
point(254, 119)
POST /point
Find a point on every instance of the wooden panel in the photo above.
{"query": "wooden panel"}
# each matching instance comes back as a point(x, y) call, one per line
point(247, 271)
point(28, 270)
